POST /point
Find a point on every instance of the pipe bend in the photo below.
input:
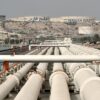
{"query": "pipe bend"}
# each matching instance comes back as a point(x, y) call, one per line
point(55, 73)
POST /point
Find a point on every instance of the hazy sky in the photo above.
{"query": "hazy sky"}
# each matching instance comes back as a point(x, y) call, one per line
point(13, 8)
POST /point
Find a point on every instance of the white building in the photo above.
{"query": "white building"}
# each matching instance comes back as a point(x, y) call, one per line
point(78, 19)
point(86, 30)
point(30, 18)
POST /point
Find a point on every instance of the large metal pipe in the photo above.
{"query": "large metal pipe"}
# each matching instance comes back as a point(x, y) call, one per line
point(14, 80)
point(31, 90)
point(86, 81)
point(50, 58)
point(43, 69)
point(49, 45)
point(76, 50)
point(8, 85)
point(64, 51)
point(23, 71)
point(85, 49)
point(57, 66)
point(58, 82)
point(59, 87)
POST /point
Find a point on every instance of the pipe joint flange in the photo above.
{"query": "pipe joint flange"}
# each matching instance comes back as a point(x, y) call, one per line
point(18, 75)
point(40, 74)
point(14, 77)
point(58, 72)
point(86, 83)
point(78, 68)
point(75, 67)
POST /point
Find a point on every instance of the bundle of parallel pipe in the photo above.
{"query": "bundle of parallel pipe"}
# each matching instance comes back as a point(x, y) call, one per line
point(13, 80)
point(31, 89)
point(77, 50)
point(85, 79)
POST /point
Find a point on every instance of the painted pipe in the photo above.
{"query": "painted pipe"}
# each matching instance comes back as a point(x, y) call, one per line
point(50, 58)
point(77, 51)
point(57, 66)
point(64, 51)
point(31, 90)
point(8, 85)
point(59, 87)
point(43, 69)
point(86, 81)
point(14, 80)
point(20, 74)
point(48, 45)
point(80, 50)
point(58, 82)
point(88, 50)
